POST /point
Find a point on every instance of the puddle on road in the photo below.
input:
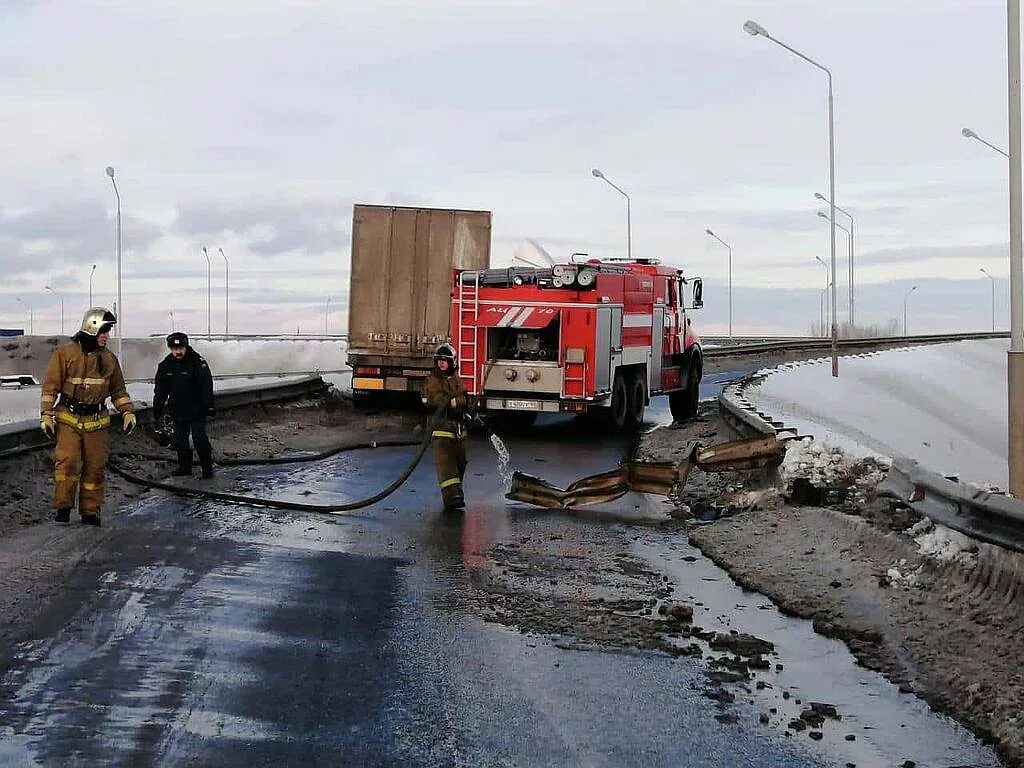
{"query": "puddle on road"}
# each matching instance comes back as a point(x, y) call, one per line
point(885, 723)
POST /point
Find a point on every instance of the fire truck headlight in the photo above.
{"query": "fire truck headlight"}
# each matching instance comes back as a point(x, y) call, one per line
point(511, 375)
point(531, 375)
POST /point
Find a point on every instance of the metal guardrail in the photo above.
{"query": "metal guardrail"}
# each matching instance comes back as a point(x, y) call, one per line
point(21, 436)
point(846, 346)
point(976, 512)
point(267, 375)
point(982, 514)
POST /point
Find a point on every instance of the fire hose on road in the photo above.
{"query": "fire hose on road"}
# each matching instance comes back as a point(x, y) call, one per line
point(297, 506)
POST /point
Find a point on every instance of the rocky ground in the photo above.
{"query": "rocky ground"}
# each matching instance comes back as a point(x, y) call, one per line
point(938, 614)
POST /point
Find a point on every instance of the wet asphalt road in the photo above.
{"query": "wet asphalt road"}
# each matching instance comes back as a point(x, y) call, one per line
point(212, 635)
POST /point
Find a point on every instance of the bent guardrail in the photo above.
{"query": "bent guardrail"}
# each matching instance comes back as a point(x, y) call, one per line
point(976, 512)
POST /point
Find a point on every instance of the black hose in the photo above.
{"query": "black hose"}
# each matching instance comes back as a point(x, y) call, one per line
point(297, 506)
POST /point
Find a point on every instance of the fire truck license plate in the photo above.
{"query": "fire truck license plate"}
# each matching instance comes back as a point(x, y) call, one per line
point(522, 405)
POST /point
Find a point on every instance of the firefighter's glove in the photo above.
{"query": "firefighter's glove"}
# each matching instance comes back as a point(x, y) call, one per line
point(48, 425)
point(129, 421)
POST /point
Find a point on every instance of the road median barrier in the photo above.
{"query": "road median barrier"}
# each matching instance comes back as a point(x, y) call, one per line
point(22, 436)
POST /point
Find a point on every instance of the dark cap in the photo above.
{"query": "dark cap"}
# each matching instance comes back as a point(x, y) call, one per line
point(177, 339)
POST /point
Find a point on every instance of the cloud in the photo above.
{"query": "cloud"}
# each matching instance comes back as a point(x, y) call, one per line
point(911, 254)
point(271, 228)
point(36, 240)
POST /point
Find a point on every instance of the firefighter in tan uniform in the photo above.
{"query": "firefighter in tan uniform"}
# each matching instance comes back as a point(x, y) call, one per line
point(80, 376)
point(444, 388)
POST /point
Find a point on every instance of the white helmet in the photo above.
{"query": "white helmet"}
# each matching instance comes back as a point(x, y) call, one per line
point(447, 352)
point(97, 320)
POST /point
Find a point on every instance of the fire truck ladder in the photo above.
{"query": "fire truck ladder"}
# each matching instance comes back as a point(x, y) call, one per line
point(468, 301)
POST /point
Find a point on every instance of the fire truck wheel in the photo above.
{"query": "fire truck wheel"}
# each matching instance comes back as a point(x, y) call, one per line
point(684, 403)
point(637, 400)
point(616, 416)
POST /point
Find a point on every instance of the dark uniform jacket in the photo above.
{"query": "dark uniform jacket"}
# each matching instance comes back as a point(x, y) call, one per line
point(187, 383)
point(439, 390)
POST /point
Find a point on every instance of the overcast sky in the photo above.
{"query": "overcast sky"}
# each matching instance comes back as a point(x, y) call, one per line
point(253, 127)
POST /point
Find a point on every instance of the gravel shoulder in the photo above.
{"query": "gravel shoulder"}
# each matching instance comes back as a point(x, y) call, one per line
point(940, 616)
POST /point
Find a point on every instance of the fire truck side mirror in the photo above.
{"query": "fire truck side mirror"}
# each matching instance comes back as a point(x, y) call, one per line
point(698, 293)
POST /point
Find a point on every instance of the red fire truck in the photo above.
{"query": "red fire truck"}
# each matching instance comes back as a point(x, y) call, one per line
point(598, 337)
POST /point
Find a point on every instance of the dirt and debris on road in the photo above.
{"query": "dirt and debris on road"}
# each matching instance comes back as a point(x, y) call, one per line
point(35, 556)
point(937, 613)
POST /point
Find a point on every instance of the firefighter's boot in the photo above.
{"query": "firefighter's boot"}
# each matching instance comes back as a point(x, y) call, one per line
point(206, 461)
point(63, 515)
point(184, 464)
point(91, 520)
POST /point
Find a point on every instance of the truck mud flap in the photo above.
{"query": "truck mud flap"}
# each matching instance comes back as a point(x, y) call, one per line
point(658, 478)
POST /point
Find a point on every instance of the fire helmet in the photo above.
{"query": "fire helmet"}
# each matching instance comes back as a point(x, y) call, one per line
point(446, 352)
point(97, 320)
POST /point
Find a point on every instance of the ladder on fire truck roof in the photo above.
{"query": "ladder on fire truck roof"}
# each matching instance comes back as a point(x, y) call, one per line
point(467, 299)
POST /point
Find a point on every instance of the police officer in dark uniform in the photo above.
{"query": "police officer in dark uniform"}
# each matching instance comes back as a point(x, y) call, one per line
point(184, 384)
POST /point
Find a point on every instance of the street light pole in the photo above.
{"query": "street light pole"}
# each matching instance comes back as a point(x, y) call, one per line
point(629, 224)
point(91, 273)
point(846, 213)
point(822, 262)
point(905, 297)
point(209, 294)
point(849, 240)
point(755, 29)
point(60, 298)
point(1015, 364)
point(712, 234)
point(967, 133)
point(226, 295)
point(119, 328)
point(31, 324)
point(993, 280)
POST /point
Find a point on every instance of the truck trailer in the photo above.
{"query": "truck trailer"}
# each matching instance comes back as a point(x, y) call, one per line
point(400, 290)
point(597, 337)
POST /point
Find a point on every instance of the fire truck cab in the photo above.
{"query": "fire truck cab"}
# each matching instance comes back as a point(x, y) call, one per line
point(599, 337)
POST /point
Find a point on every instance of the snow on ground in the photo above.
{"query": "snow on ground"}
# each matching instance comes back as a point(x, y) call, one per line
point(944, 405)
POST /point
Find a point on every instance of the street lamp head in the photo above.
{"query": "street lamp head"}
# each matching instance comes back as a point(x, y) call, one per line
point(110, 171)
point(819, 196)
point(597, 173)
point(709, 232)
point(755, 29)
point(967, 133)
point(824, 215)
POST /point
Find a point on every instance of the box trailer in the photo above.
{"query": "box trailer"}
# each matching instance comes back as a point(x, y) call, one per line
point(400, 293)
